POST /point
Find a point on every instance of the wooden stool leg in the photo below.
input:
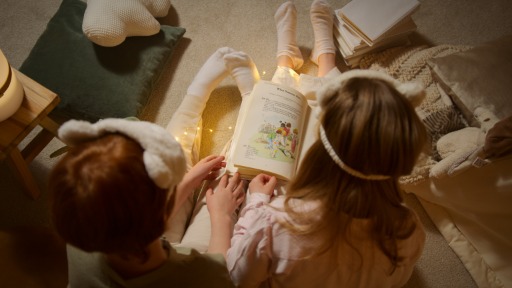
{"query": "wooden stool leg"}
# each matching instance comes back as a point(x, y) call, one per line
point(50, 125)
point(19, 167)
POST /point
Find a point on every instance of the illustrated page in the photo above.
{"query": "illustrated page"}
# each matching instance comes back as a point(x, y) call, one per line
point(271, 131)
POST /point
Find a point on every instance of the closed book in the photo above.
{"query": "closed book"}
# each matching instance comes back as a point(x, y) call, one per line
point(371, 19)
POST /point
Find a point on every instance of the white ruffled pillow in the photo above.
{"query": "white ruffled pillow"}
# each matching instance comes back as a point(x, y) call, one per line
point(109, 22)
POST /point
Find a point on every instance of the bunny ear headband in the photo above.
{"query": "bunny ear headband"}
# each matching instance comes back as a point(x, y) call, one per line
point(163, 156)
point(412, 91)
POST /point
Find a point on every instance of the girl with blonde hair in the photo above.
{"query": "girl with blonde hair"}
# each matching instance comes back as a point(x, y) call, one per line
point(342, 221)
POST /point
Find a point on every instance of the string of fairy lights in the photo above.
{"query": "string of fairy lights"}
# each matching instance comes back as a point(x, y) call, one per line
point(196, 130)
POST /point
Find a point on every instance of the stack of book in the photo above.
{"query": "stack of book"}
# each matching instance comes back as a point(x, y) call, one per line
point(364, 26)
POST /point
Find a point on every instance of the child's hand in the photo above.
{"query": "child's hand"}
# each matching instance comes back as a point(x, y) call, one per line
point(204, 170)
point(263, 184)
point(227, 197)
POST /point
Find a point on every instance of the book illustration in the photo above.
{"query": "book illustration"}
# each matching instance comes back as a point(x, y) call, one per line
point(273, 132)
point(277, 142)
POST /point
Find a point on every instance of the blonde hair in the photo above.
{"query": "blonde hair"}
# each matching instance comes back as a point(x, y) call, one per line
point(374, 129)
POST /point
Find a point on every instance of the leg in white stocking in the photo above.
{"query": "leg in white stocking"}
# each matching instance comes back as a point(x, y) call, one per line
point(187, 118)
point(321, 15)
point(184, 123)
point(286, 25)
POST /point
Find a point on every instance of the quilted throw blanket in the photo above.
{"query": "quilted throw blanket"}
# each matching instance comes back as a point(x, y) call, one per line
point(410, 63)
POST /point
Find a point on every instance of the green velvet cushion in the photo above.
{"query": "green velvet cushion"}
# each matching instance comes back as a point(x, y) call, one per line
point(96, 82)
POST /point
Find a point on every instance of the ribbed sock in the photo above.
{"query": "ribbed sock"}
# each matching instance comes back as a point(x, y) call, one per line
point(321, 15)
point(211, 74)
point(243, 70)
point(286, 25)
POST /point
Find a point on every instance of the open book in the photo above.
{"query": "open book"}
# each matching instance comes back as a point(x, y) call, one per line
point(275, 128)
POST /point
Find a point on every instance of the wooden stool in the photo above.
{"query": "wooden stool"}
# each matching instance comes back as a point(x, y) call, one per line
point(36, 106)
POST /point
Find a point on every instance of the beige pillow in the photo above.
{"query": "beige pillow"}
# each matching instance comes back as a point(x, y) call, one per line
point(481, 76)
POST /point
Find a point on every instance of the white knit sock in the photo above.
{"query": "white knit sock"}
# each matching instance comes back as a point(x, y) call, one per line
point(211, 74)
point(321, 15)
point(243, 70)
point(286, 25)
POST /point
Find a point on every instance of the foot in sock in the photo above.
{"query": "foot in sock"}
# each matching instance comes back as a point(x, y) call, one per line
point(286, 25)
point(243, 70)
point(321, 15)
point(211, 74)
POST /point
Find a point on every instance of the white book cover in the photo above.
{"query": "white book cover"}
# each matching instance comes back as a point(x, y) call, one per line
point(401, 29)
point(372, 18)
point(405, 26)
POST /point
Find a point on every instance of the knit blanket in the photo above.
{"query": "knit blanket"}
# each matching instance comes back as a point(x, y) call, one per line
point(409, 63)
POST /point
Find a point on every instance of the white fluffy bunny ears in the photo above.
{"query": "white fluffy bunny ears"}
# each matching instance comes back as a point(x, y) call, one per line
point(163, 156)
point(413, 91)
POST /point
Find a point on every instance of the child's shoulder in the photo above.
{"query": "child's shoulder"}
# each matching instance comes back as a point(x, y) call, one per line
point(185, 262)
point(192, 256)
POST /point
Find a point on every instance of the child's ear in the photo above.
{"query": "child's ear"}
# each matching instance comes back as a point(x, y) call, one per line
point(413, 91)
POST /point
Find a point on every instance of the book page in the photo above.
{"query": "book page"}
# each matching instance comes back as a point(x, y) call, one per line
point(230, 166)
point(268, 137)
point(309, 136)
point(406, 25)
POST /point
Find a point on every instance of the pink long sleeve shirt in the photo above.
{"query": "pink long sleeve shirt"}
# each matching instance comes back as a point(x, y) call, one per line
point(264, 253)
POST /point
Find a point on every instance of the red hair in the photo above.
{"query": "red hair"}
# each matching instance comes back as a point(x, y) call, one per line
point(104, 200)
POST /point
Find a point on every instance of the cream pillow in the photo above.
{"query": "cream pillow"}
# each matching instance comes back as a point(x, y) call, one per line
point(479, 77)
point(109, 22)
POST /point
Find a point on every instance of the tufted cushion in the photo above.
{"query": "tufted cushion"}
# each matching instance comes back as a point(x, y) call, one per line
point(109, 22)
point(96, 82)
